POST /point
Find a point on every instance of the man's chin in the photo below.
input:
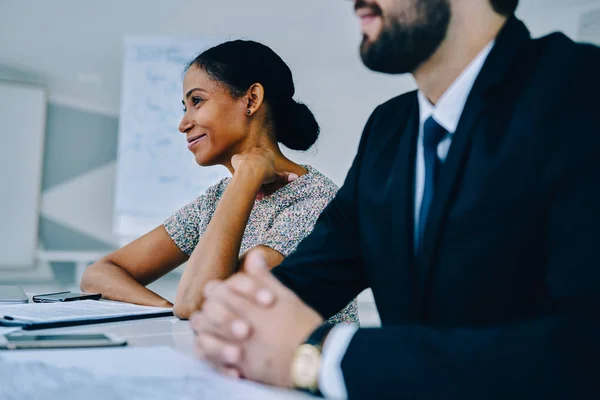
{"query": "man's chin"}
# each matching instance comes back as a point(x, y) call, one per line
point(372, 32)
point(367, 43)
point(376, 56)
point(371, 58)
point(365, 49)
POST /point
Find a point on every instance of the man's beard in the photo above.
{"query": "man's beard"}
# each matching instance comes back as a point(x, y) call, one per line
point(402, 47)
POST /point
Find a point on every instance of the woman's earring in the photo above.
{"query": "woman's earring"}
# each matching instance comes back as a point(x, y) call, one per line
point(248, 112)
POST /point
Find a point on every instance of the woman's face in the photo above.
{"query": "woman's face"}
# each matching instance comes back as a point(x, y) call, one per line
point(215, 123)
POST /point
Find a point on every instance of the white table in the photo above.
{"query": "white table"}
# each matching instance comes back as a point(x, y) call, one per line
point(165, 331)
point(176, 334)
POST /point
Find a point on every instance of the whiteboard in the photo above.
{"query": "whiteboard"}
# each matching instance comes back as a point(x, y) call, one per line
point(156, 173)
point(22, 131)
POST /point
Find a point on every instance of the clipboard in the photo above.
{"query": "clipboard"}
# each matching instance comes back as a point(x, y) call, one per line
point(32, 325)
point(35, 316)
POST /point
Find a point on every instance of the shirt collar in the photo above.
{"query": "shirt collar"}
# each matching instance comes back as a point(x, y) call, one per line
point(450, 106)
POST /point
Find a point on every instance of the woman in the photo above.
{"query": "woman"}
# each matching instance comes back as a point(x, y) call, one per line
point(237, 106)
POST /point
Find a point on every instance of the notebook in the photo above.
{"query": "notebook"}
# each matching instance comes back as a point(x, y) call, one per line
point(53, 315)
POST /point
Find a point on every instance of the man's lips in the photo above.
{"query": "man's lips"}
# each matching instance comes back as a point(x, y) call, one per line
point(366, 13)
point(367, 16)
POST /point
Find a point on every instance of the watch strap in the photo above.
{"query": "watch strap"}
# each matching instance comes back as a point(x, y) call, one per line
point(318, 336)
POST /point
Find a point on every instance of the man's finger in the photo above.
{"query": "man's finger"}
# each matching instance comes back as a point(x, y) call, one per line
point(256, 263)
point(210, 286)
point(196, 322)
point(249, 284)
point(251, 288)
point(218, 320)
point(218, 352)
point(267, 287)
point(230, 372)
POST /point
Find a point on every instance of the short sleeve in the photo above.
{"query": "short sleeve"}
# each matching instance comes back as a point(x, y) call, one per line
point(187, 225)
point(293, 224)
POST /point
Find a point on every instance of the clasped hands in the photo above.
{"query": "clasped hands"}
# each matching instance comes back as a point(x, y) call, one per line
point(250, 325)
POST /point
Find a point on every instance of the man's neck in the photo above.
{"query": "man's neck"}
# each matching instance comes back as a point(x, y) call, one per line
point(467, 35)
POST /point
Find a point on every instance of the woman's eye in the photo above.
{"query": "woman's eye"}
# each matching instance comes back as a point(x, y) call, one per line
point(196, 100)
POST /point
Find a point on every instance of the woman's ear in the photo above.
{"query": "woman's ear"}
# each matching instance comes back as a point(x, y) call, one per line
point(254, 98)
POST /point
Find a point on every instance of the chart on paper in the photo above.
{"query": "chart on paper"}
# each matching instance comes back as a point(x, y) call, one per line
point(127, 373)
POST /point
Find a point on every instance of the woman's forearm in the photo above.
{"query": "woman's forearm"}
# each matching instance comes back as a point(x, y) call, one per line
point(217, 252)
point(114, 283)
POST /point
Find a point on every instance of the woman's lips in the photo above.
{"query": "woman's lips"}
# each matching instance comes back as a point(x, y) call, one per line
point(194, 141)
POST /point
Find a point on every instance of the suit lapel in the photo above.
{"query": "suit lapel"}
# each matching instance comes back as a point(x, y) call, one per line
point(495, 68)
point(402, 211)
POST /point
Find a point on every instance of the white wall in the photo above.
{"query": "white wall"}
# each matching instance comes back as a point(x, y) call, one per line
point(342, 99)
point(545, 16)
point(22, 125)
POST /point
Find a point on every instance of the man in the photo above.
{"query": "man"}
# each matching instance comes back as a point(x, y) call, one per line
point(472, 210)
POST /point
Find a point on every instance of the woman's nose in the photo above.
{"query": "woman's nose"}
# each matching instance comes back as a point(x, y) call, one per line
point(185, 125)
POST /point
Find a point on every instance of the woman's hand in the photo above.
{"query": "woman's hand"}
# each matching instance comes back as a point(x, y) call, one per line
point(262, 163)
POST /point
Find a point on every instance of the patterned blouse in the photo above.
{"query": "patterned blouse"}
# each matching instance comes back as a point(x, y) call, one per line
point(279, 221)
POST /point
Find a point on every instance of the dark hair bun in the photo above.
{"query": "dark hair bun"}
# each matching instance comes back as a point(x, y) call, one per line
point(298, 129)
point(240, 63)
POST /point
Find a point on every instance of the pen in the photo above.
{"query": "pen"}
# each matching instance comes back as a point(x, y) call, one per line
point(7, 320)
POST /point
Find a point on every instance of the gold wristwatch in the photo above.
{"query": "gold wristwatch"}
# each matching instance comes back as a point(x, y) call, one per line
point(306, 364)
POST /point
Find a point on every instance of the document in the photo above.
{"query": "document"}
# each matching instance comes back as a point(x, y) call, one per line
point(45, 315)
point(6, 331)
point(148, 373)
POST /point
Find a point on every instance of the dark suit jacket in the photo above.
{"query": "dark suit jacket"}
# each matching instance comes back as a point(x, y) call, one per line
point(505, 302)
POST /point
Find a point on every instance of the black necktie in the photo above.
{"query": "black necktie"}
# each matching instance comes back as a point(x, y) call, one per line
point(433, 133)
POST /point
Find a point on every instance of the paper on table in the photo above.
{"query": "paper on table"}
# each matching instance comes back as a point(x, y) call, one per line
point(6, 331)
point(75, 310)
point(126, 373)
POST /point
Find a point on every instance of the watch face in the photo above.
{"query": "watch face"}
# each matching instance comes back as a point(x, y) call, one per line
point(305, 369)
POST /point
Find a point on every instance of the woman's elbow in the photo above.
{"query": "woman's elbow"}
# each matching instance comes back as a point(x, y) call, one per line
point(182, 310)
point(89, 279)
point(187, 300)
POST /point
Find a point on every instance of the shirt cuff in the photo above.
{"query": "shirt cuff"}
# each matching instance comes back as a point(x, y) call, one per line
point(331, 378)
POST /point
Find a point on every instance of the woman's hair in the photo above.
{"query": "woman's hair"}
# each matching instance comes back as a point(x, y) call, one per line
point(239, 64)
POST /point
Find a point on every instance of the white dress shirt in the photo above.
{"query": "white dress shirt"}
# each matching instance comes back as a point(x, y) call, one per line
point(447, 113)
